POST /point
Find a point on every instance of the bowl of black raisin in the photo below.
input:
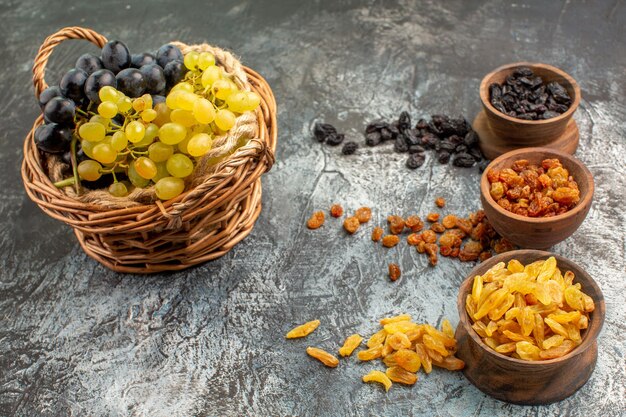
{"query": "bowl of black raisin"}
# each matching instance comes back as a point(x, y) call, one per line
point(529, 104)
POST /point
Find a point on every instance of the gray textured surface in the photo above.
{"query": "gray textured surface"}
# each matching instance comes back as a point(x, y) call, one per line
point(77, 339)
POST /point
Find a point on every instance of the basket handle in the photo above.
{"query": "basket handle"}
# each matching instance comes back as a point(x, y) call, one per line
point(48, 45)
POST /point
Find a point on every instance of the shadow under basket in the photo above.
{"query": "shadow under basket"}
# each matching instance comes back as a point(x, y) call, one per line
point(201, 224)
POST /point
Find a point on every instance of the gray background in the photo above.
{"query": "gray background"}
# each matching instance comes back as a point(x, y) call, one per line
point(77, 339)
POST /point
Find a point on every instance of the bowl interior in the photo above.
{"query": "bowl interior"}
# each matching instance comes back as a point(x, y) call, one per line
point(547, 72)
point(577, 170)
point(589, 286)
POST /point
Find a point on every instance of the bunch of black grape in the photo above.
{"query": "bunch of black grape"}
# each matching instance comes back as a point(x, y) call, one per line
point(77, 92)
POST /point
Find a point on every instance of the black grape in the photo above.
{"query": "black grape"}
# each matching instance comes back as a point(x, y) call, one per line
point(168, 53)
point(80, 155)
point(130, 82)
point(154, 78)
point(115, 56)
point(60, 110)
point(174, 72)
point(156, 99)
point(96, 81)
point(89, 63)
point(73, 83)
point(48, 94)
point(53, 138)
point(139, 60)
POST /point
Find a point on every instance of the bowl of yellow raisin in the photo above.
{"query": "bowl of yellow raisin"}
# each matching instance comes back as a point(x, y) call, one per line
point(529, 322)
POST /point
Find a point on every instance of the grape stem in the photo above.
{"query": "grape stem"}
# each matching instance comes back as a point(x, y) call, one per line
point(74, 163)
point(65, 183)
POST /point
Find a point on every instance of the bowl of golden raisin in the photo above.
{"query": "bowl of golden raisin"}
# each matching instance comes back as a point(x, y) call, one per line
point(536, 197)
point(529, 321)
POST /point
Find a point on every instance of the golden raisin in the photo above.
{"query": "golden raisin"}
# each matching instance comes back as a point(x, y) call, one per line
point(413, 239)
point(303, 330)
point(398, 374)
point(470, 251)
point(394, 272)
point(377, 376)
point(364, 214)
point(449, 221)
point(323, 356)
point(484, 256)
point(437, 227)
point(431, 250)
point(408, 360)
point(377, 233)
point(316, 220)
point(414, 223)
point(429, 236)
point(351, 343)
point(396, 224)
point(432, 217)
point(440, 202)
point(336, 210)
point(390, 241)
point(371, 353)
point(351, 224)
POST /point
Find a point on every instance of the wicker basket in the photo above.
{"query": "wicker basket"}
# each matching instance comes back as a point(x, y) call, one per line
point(201, 224)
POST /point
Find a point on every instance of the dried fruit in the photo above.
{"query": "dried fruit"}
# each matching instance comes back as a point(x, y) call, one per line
point(351, 343)
point(440, 202)
point(432, 217)
point(323, 356)
point(371, 353)
point(398, 374)
point(523, 310)
point(414, 223)
point(437, 227)
point(351, 224)
point(303, 330)
point(390, 241)
point(349, 148)
point(336, 210)
point(377, 376)
point(396, 224)
point(449, 221)
point(377, 233)
point(316, 220)
point(394, 271)
point(413, 239)
point(363, 214)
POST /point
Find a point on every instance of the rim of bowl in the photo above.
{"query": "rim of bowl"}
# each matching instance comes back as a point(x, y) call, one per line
point(466, 321)
point(484, 93)
point(580, 206)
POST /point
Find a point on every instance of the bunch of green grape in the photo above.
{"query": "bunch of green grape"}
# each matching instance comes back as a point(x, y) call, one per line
point(151, 141)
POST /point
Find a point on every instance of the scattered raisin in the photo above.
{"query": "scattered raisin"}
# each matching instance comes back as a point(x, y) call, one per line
point(394, 272)
point(431, 250)
point(415, 160)
point(351, 224)
point(432, 217)
point(440, 202)
point(377, 233)
point(336, 210)
point(437, 227)
point(389, 241)
point(449, 221)
point(470, 251)
point(316, 220)
point(429, 236)
point(464, 225)
point(349, 148)
point(322, 131)
point(364, 214)
point(396, 224)
point(414, 223)
point(413, 239)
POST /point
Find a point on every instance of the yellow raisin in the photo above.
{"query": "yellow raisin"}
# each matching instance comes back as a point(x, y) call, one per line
point(316, 220)
point(398, 374)
point(447, 329)
point(408, 359)
point(323, 356)
point(451, 363)
point(303, 330)
point(578, 300)
point(394, 319)
point(435, 344)
point(371, 353)
point(399, 341)
point(351, 343)
point(425, 360)
point(377, 338)
point(400, 326)
point(527, 351)
point(377, 376)
point(556, 352)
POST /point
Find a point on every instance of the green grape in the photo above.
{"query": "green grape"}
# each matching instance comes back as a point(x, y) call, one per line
point(224, 119)
point(163, 114)
point(199, 144)
point(205, 60)
point(183, 117)
point(203, 111)
point(161, 171)
point(148, 115)
point(223, 88)
point(135, 131)
point(108, 93)
point(92, 132)
point(89, 170)
point(145, 167)
point(104, 153)
point(152, 131)
point(99, 119)
point(172, 98)
point(243, 101)
point(107, 109)
point(191, 60)
point(136, 179)
point(119, 141)
point(118, 189)
point(179, 165)
point(183, 86)
point(182, 145)
point(172, 133)
point(142, 103)
point(186, 100)
point(124, 104)
point(160, 152)
point(87, 147)
point(210, 75)
point(169, 187)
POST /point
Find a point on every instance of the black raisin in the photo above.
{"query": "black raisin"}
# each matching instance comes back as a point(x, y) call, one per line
point(471, 138)
point(322, 130)
point(483, 165)
point(549, 114)
point(335, 139)
point(443, 157)
point(385, 134)
point(446, 145)
point(430, 141)
point(416, 149)
point(400, 145)
point(349, 148)
point(404, 122)
point(415, 160)
point(372, 138)
point(476, 153)
point(460, 148)
point(464, 160)
point(421, 124)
